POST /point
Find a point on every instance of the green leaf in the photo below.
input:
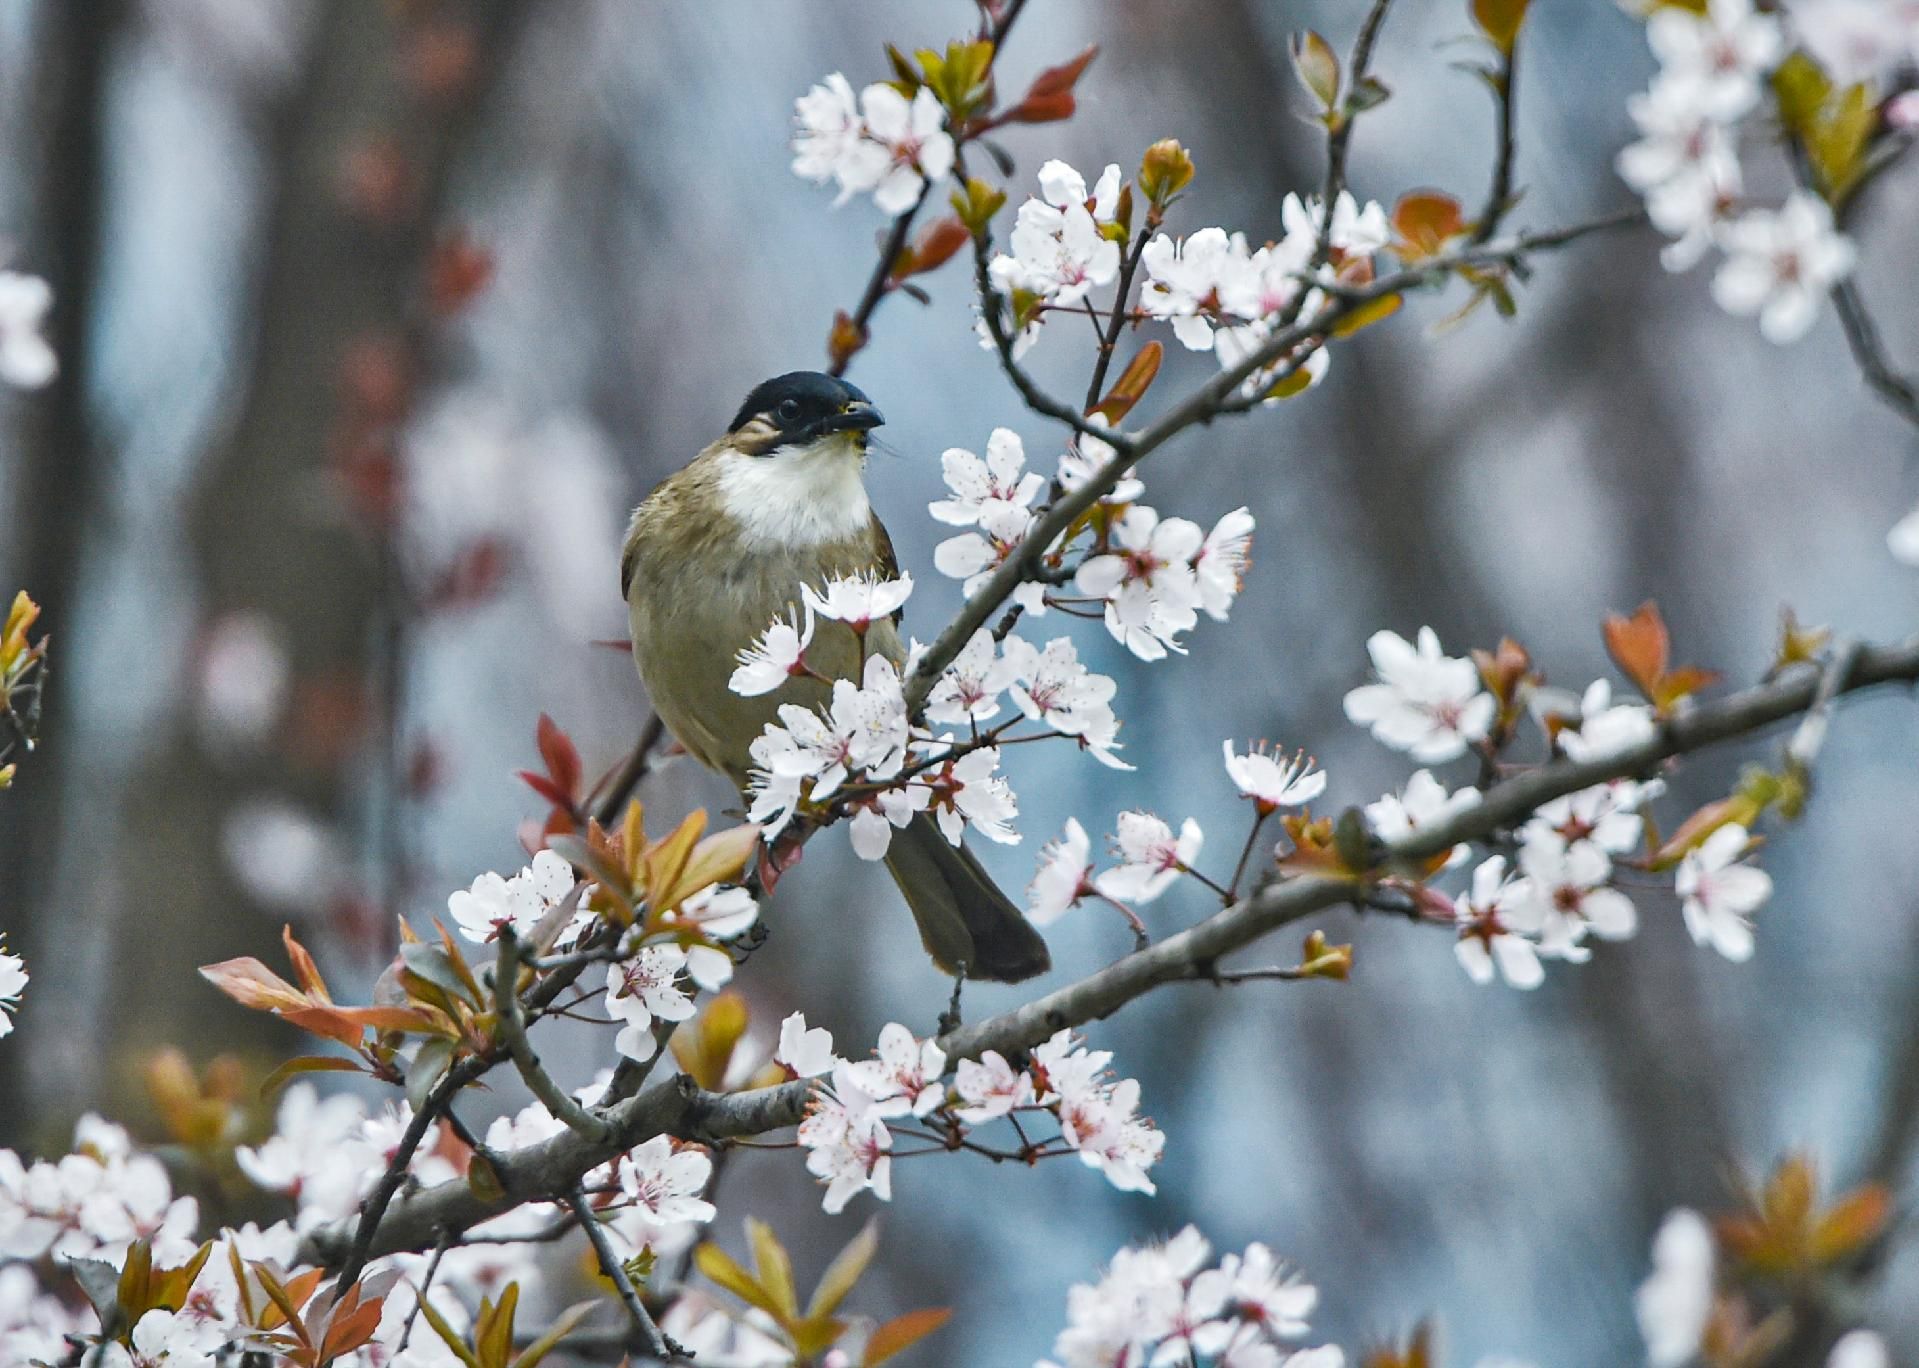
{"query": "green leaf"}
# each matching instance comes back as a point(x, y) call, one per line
point(306, 1064)
point(493, 1338)
point(428, 1065)
point(1318, 68)
point(774, 1268)
point(100, 1281)
point(446, 1333)
point(483, 1178)
point(844, 1271)
point(431, 963)
point(720, 1269)
point(563, 1325)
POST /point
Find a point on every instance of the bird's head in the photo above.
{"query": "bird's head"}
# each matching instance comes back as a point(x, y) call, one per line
point(789, 467)
point(802, 415)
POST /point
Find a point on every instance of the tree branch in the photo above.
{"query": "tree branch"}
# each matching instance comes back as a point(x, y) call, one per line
point(506, 996)
point(677, 1107)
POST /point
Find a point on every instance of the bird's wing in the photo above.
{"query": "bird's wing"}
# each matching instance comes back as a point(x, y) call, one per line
point(887, 561)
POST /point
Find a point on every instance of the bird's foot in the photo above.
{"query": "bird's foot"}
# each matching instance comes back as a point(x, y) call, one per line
point(950, 1018)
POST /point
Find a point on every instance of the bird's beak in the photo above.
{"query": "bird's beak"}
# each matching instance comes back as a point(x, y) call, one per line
point(853, 418)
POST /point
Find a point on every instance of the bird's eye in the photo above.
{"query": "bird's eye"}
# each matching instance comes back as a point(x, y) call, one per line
point(789, 410)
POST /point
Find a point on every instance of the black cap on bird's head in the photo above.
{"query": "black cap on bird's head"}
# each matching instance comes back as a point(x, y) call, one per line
point(801, 407)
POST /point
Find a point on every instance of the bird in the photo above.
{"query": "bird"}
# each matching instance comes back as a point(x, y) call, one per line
point(719, 550)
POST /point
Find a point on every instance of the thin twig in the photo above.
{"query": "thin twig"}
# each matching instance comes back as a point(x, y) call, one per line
point(649, 1335)
point(1499, 195)
point(1109, 337)
point(446, 1242)
point(638, 761)
point(512, 1031)
point(1899, 392)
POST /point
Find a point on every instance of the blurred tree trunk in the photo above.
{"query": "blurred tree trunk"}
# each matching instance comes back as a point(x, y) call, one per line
point(361, 160)
point(59, 474)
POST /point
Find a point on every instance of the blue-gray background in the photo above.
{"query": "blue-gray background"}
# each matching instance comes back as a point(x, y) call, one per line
point(1416, 1144)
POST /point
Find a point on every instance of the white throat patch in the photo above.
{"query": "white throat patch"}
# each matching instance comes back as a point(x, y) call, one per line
point(798, 496)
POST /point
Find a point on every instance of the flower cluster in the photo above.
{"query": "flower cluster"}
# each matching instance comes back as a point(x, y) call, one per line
point(93, 1203)
point(849, 1128)
point(880, 143)
point(1065, 241)
point(327, 1153)
point(1225, 296)
point(1150, 577)
point(1557, 887)
point(1168, 1303)
point(520, 902)
point(645, 987)
point(1714, 67)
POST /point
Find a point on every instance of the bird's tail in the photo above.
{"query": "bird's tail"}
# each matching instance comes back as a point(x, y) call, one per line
point(963, 917)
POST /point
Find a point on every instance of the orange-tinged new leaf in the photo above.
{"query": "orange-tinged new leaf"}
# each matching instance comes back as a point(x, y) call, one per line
point(1850, 1224)
point(720, 858)
point(1499, 20)
point(328, 1022)
point(666, 859)
point(633, 841)
point(303, 966)
point(1133, 383)
point(1065, 76)
point(705, 1049)
point(903, 1332)
point(1425, 221)
point(251, 984)
point(1639, 645)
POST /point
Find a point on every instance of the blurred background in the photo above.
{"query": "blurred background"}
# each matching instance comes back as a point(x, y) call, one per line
point(321, 529)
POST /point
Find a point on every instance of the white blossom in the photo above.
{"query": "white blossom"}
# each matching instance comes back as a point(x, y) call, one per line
point(1606, 728)
point(1065, 876)
point(1685, 164)
point(1723, 53)
point(13, 982)
point(26, 360)
point(905, 1078)
point(1490, 925)
point(1779, 265)
point(976, 485)
point(1151, 857)
point(804, 1052)
point(1353, 230)
point(318, 1153)
point(1147, 581)
point(643, 988)
point(1219, 566)
point(492, 902)
point(667, 1184)
point(1674, 1304)
point(1272, 781)
point(858, 600)
point(972, 556)
point(969, 689)
point(990, 1087)
point(778, 655)
point(1719, 892)
point(1059, 252)
point(1903, 539)
point(1425, 703)
point(871, 829)
point(847, 1143)
point(1185, 278)
point(969, 791)
point(914, 135)
point(1566, 890)
point(1860, 1349)
point(1424, 802)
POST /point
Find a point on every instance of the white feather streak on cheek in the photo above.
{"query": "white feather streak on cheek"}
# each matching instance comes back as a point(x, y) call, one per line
point(797, 497)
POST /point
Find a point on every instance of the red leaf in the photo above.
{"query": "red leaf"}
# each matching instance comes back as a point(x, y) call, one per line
point(1036, 109)
point(1061, 79)
point(562, 759)
point(546, 788)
